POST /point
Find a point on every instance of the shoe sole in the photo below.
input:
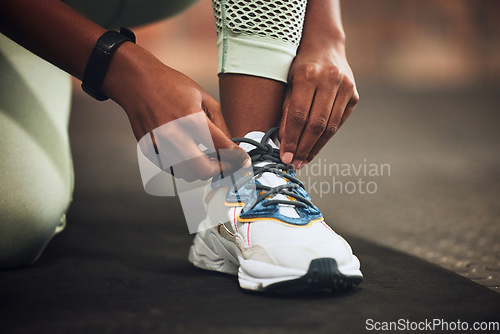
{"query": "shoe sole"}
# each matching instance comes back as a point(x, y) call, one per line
point(323, 274)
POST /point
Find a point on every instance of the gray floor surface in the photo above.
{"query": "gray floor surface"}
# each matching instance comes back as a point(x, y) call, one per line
point(438, 197)
point(121, 267)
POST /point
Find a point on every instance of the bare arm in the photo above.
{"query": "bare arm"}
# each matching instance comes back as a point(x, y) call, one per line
point(151, 93)
point(52, 30)
point(321, 92)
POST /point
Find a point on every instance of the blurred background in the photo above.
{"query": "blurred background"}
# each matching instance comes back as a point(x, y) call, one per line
point(428, 73)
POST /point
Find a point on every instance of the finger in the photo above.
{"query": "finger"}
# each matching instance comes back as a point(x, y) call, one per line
point(284, 114)
point(339, 106)
point(236, 157)
point(350, 107)
point(177, 148)
point(302, 94)
point(197, 168)
point(213, 111)
point(343, 97)
point(232, 157)
point(317, 123)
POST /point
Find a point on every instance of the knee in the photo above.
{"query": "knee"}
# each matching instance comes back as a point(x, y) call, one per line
point(31, 212)
point(35, 164)
point(25, 233)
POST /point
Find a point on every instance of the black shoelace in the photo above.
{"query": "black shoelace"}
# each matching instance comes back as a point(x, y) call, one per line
point(264, 152)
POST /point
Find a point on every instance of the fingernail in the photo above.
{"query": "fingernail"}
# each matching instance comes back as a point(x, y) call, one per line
point(287, 158)
point(302, 165)
point(248, 163)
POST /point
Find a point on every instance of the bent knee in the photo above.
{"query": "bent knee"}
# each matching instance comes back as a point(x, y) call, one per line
point(23, 237)
point(30, 215)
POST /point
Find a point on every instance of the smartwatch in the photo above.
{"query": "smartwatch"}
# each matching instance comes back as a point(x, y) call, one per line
point(100, 58)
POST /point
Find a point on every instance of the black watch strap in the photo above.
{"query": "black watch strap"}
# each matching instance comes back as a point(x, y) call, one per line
point(100, 58)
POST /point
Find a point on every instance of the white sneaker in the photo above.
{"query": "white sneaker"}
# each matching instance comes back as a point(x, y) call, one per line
point(277, 242)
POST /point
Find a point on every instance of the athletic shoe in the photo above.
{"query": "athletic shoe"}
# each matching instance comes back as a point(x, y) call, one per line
point(274, 238)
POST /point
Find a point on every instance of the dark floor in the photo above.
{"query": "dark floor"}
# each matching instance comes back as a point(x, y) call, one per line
point(121, 268)
point(121, 265)
point(440, 201)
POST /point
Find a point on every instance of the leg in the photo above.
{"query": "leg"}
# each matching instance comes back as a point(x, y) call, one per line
point(276, 241)
point(254, 60)
point(36, 169)
point(250, 103)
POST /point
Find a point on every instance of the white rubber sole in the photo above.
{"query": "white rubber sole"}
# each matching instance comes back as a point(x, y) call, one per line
point(212, 252)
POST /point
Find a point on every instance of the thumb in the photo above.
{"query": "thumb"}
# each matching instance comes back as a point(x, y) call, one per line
point(231, 156)
point(214, 113)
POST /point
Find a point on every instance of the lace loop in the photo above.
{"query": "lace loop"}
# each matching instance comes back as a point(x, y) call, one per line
point(264, 152)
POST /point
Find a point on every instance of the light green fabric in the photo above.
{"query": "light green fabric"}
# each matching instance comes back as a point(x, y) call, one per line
point(259, 39)
point(36, 179)
point(254, 55)
point(36, 173)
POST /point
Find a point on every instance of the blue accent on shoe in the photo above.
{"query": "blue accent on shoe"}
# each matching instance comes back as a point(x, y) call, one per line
point(259, 199)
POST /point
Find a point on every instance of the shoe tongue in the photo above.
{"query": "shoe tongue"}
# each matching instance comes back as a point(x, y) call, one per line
point(270, 179)
point(257, 136)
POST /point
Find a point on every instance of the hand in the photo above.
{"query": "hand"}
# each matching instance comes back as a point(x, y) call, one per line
point(321, 95)
point(151, 93)
point(154, 95)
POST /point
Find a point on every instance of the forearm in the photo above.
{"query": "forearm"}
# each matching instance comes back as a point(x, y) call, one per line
point(323, 25)
point(51, 30)
point(63, 37)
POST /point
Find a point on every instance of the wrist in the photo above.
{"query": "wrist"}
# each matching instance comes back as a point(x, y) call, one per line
point(124, 73)
point(323, 26)
point(334, 40)
point(100, 59)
